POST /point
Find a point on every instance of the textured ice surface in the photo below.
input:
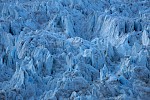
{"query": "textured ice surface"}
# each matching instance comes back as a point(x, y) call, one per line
point(74, 49)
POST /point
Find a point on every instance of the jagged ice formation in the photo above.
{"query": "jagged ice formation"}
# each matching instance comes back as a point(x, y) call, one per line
point(74, 49)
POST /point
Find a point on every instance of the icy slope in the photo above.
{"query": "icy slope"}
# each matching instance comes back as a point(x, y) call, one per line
point(74, 49)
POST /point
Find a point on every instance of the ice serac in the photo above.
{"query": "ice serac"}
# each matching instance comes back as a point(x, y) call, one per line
point(74, 49)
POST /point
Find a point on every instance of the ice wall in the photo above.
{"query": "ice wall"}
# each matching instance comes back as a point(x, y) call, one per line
point(74, 49)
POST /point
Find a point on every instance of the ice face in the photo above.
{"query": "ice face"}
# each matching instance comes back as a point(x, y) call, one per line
point(74, 49)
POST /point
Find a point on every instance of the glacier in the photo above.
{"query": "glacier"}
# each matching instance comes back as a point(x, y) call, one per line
point(74, 49)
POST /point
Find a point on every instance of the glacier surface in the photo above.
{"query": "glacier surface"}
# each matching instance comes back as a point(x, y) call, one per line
point(74, 49)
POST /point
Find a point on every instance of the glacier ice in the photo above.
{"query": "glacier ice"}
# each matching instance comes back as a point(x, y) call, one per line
point(74, 49)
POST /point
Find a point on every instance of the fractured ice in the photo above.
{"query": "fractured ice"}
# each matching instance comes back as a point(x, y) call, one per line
point(74, 49)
